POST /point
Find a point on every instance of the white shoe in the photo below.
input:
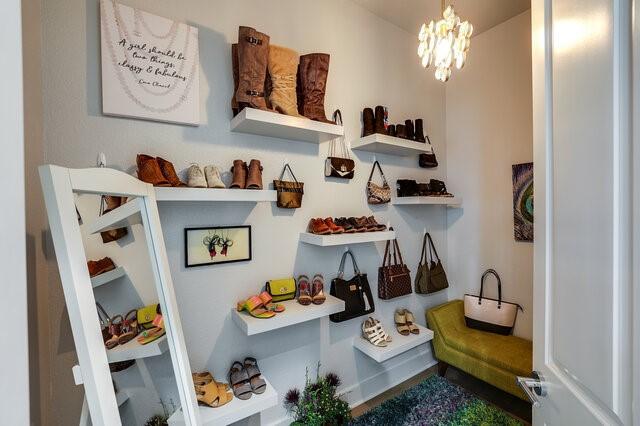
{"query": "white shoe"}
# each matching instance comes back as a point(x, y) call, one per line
point(214, 180)
point(195, 177)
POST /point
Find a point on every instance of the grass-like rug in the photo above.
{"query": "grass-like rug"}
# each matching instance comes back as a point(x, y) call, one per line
point(436, 401)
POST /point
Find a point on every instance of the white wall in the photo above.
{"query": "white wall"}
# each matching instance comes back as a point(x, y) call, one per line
point(372, 62)
point(489, 128)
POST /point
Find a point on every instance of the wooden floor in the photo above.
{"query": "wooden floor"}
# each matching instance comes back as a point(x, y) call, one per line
point(512, 405)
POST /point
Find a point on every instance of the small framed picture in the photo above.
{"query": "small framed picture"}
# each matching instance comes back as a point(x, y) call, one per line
point(216, 245)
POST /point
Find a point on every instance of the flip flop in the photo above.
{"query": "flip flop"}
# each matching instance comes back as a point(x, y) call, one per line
point(255, 307)
point(258, 385)
point(266, 299)
point(150, 335)
point(239, 379)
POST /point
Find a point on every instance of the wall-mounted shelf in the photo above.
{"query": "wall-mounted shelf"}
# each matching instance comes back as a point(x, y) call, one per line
point(236, 409)
point(438, 201)
point(134, 350)
point(385, 144)
point(346, 239)
point(294, 313)
point(398, 345)
point(126, 215)
point(272, 124)
point(107, 277)
point(215, 195)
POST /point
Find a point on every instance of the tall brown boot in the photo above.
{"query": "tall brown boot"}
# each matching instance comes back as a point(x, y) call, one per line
point(234, 66)
point(379, 120)
point(239, 171)
point(253, 53)
point(254, 179)
point(283, 65)
point(368, 122)
point(313, 73)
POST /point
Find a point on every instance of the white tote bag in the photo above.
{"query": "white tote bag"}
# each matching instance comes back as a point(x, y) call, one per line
point(494, 316)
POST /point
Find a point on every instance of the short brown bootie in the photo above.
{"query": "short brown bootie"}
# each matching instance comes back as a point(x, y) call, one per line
point(379, 120)
point(254, 180)
point(149, 171)
point(419, 133)
point(368, 122)
point(239, 171)
point(408, 125)
point(169, 172)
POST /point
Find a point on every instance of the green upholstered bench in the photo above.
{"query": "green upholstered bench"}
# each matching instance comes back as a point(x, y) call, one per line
point(490, 357)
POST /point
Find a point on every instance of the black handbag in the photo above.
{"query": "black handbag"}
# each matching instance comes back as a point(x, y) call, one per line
point(355, 292)
point(430, 276)
point(428, 160)
point(339, 166)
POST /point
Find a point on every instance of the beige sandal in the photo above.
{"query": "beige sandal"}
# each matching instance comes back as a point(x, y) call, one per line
point(374, 333)
point(213, 394)
point(401, 322)
point(410, 322)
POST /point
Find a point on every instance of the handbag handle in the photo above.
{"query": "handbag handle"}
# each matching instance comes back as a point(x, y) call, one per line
point(284, 169)
point(432, 246)
point(337, 117)
point(384, 179)
point(395, 248)
point(103, 317)
point(356, 270)
point(495, 274)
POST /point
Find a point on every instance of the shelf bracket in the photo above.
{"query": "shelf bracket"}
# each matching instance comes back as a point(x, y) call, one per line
point(77, 375)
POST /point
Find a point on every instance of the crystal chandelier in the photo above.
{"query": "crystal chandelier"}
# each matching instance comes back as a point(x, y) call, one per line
point(444, 42)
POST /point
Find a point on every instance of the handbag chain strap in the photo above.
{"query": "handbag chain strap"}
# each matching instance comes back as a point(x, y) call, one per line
point(356, 270)
point(384, 179)
point(284, 169)
point(495, 274)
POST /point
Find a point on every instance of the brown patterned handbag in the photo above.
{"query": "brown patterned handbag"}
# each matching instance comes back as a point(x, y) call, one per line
point(394, 278)
point(289, 193)
point(377, 194)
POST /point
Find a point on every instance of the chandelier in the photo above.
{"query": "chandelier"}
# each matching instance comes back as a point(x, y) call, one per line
point(444, 42)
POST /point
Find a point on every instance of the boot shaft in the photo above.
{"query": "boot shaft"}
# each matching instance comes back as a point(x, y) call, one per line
point(368, 122)
point(253, 53)
point(313, 72)
point(419, 131)
point(283, 66)
point(408, 125)
point(379, 120)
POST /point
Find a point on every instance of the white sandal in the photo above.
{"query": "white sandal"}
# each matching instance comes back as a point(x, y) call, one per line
point(373, 332)
point(384, 332)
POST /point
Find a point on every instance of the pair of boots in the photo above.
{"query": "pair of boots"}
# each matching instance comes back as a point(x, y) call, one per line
point(211, 177)
point(254, 87)
point(408, 131)
point(157, 171)
point(246, 177)
point(374, 123)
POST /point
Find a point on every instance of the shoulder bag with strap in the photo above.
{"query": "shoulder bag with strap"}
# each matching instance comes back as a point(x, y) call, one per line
point(394, 279)
point(430, 276)
point(355, 292)
point(428, 160)
point(339, 166)
point(289, 193)
point(377, 194)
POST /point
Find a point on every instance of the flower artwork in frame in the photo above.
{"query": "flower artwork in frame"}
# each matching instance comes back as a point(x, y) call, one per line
point(216, 245)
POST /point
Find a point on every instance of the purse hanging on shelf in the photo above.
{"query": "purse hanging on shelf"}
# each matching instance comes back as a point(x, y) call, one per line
point(377, 194)
point(430, 276)
point(289, 193)
point(355, 292)
point(428, 160)
point(394, 278)
point(339, 166)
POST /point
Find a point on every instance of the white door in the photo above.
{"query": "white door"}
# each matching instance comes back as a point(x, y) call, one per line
point(583, 168)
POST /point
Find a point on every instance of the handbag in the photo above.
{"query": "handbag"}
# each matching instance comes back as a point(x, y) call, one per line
point(378, 194)
point(355, 292)
point(111, 234)
point(430, 276)
point(406, 188)
point(343, 166)
point(289, 193)
point(146, 315)
point(494, 316)
point(394, 279)
point(282, 289)
point(428, 160)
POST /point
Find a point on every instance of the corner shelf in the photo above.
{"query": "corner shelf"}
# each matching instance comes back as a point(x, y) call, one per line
point(236, 409)
point(398, 345)
point(439, 201)
point(294, 313)
point(385, 144)
point(274, 125)
point(346, 239)
point(134, 350)
point(126, 215)
point(214, 194)
point(107, 277)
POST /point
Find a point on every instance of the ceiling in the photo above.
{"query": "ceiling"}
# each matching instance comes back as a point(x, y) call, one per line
point(410, 14)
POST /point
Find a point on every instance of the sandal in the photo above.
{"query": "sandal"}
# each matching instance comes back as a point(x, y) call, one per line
point(373, 333)
point(304, 290)
point(410, 322)
point(213, 394)
point(318, 297)
point(115, 328)
point(267, 299)
point(258, 385)
point(129, 328)
point(201, 378)
point(255, 307)
point(401, 322)
point(239, 379)
point(384, 333)
point(150, 335)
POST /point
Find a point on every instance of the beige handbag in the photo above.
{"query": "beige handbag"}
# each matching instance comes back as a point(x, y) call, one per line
point(377, 194)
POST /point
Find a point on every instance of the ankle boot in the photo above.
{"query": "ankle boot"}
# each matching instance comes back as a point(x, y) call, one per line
point(234, 66)
point(401, 132)
point(391, 130)
point(253, 53)
point(313, 73)
point(283, 66)
point(379, 120)
point(419, 132)
point(368, 124)
point(408, 125)
point(149, 171)
point(254, 179)
point(239, 171)
point(169, 172)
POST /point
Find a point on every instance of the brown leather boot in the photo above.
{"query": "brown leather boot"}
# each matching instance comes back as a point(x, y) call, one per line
point(169, 172)
point(408, 125)
point(401, 131)
point(419, 132)
point(254, 180)
point(253, 54)
point(379, 121)
point(283, 66)
point(234, 65)
point(239, 170)
point(149, 171)
point(313, 73)
point(368, 124)
point(391, 130)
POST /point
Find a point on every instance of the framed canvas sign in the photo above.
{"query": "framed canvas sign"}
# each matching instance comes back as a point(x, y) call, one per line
point(522, 176)
point(150, 65)
point(215, 245)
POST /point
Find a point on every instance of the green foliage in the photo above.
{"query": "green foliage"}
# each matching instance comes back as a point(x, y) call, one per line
point(478, 413)
point(162, 419)
point(319, 404)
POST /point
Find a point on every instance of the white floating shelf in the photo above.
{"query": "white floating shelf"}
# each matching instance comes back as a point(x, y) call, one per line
point(213, 194)
point(122, 397)
point(126, 215)
point(294, 313)
point(441, 201)
point(272, 124)
point(107, 277)
point(385, 144)
point(398, 345)
point(346, 239)
point(134, 350)
point(236, 409)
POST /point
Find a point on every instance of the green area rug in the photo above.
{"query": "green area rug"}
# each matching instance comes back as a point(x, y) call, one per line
point(436, 401)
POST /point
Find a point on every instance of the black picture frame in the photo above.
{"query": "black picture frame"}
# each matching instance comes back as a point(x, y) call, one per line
point(208, 229)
